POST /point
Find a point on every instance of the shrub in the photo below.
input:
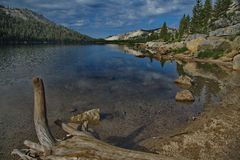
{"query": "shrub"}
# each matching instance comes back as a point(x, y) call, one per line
point(211, 54)
point(180, 50)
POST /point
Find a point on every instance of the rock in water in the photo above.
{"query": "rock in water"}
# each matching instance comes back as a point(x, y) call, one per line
point(185, 95)
point(184, 80)
point(236, 62)
point(91, 116)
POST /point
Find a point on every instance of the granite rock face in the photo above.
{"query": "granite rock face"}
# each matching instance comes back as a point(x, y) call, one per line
point(227, 31)
point(164, 48)
point(193, 45)
point(229, 24)
point(195, 36)
point(210, 43)
point(215, 43)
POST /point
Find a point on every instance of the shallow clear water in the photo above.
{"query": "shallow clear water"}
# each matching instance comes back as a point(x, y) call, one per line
point(138, 94)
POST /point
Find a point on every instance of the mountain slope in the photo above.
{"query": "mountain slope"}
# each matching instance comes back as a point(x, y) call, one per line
point(24, 25)
point(139, 35)
point(128, 35)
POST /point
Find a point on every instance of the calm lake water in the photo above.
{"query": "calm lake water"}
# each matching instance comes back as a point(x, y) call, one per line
point(136, 94)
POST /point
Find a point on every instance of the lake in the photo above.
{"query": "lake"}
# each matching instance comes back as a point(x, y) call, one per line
point(136, 95)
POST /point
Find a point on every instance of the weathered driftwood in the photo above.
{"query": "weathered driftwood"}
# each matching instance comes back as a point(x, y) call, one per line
point(80, 146)
point(40, 119)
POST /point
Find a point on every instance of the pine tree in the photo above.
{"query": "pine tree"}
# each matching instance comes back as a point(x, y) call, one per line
point(177, 36)
point(164, 32)
point(13, 29)
point(197, 19)
point(188, 22)
point(221, 7)
point(207, 14)
point(184, 25)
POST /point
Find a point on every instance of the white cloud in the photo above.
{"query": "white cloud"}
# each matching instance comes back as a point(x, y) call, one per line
point(105, 13)
point(79, 23)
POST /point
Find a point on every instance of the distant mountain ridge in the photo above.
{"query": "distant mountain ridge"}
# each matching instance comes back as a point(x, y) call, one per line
point(24, 14)
point(138, 34)
point(24, 25)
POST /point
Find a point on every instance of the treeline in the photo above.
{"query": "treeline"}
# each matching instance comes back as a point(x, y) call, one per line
point(203, 15)
point(18, 30)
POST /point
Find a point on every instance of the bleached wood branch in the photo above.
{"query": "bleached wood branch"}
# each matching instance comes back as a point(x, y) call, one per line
point(40, 118)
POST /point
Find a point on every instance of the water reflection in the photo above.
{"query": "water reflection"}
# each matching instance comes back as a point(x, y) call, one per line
point(135, 92)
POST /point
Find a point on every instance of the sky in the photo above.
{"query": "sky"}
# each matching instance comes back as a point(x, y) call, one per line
point(102, 18)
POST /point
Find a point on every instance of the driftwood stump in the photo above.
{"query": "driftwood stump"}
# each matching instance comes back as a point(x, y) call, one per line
point(81, 145)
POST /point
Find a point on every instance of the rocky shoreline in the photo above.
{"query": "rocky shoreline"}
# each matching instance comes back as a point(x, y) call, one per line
point(215, 133)
point(212, 135)
point(218, 45)
point(227, 52)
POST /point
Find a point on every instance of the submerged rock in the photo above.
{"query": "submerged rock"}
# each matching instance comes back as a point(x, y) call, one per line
point(185, 95)
point(236, 62)
point(184, 80)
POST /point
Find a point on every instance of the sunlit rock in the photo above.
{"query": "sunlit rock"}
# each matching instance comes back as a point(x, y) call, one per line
point(194, 44)
point(184, 80)
point(91, 116)
point(185, 95)
point(211, 43)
